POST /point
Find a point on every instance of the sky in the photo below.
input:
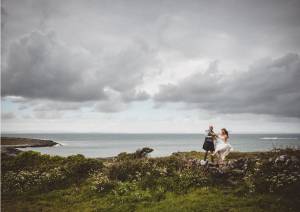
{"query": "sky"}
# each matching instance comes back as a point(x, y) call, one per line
point(161, 66)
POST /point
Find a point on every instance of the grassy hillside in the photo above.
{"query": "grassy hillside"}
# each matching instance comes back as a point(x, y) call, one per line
point(267, 181)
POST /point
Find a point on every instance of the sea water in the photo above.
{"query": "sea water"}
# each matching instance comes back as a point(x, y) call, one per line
point(106, 145)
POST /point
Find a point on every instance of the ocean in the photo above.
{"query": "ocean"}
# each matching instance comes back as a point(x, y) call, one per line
point(107, 144)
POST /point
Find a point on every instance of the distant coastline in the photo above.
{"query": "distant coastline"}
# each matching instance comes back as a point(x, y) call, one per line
point(9, 145)
point(110, 145)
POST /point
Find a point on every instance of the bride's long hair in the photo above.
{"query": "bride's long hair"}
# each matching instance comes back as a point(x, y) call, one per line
point(226, 132)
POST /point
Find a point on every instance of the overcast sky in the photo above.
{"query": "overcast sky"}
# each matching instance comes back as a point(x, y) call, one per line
point(150, 66)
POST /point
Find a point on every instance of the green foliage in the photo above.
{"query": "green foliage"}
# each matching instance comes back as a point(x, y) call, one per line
point(250, 182)
point(78, 167)
point(191, 178)
point(32, 172)
point(26, 181)
point(130, 169)
point(172, 164)
point(130, 192)
point(101, 183)
point(274, 176)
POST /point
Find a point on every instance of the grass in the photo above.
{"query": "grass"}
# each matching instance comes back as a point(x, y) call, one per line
point(155, 184)
point(213, 199)
point(202, 199)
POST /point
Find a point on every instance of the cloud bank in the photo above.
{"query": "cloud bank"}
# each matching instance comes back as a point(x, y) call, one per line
point(268, 87)
point(102, 56)
point(40, 66)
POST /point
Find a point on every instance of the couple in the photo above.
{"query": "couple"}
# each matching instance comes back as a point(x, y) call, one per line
point(217, 144)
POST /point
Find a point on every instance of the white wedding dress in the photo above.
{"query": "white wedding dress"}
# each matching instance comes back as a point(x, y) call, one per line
point(222, 148)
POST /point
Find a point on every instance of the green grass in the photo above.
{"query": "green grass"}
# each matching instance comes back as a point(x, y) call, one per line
point(202, 199)
point(212, 199)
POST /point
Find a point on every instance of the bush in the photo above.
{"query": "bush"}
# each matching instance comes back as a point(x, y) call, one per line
point(273, 176)
point(130, 169)
point(18, 182)
point(101, 183)
point(29, 181)
point(31, 171)
point(80, 167)
point(172, 164)
point(28, 160)
point(182, 181)
point(192, 178)
point(130, 192)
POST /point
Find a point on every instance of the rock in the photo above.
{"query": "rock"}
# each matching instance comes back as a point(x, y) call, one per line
point(231, 163)
point(203, 162)
point(141, 153)
point(11, 151)
point(245, 167)
point(193, 162)
point(241, 164)
point(138, 154)
point(211, 163)
point(232, 182)
point(281, 158)
point(294, 159)
point(226, 169)
point(287, 162)
point(217, 172)
point(237, 172)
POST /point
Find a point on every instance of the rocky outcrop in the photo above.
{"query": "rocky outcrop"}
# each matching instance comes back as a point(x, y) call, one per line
point(236, 169)
point(140, 153)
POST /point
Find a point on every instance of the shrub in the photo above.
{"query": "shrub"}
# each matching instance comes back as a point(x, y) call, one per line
point(172, 164)
point(130, 192)
point(29, 181)
point(124, 188)
point(31, 171)
point(184, 180)
point(19, 182)
point(273, 176)
point(28, 160)
point(130, 169)
point(101, 183)
point(80, 167)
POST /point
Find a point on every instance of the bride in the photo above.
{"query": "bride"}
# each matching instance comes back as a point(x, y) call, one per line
point(222, 147)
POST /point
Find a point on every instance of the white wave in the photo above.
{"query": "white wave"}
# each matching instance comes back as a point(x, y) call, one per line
point(59, 144)
point(277, 138)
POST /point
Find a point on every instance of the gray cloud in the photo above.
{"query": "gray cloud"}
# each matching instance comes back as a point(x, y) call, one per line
point(218, 29)
point(97, 53)
point(48, 114)
point(40, 106)
point(40, 66)
point(7, 115)
point(268, 87)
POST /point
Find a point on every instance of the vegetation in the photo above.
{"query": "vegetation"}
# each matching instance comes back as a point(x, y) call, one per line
point(133, 182)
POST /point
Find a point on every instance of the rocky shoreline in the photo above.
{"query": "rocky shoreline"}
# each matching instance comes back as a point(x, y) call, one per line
point(9, 145)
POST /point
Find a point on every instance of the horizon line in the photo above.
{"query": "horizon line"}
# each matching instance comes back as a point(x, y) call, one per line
point(93, 132)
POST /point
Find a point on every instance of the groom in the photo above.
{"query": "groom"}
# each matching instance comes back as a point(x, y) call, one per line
point(209, 145)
